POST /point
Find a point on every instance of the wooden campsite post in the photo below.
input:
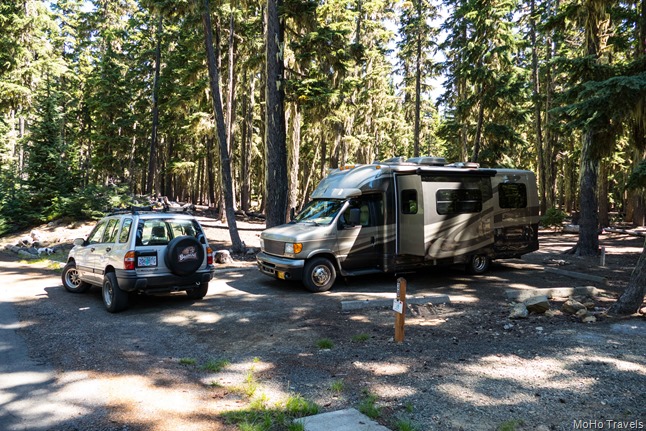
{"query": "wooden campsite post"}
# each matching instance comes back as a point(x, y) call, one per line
point(399, 305)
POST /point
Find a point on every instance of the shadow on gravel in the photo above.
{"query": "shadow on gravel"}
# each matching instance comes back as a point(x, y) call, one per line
point(462, 366)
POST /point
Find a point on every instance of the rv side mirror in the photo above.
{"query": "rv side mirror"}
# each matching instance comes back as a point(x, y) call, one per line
point(355, 216)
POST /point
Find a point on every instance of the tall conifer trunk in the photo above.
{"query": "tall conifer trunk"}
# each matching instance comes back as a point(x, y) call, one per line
point(275, 135)
point(588, 244)
point(214, 80)
point(152, 184)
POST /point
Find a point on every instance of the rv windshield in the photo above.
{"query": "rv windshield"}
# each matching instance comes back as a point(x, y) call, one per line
point(320, 211)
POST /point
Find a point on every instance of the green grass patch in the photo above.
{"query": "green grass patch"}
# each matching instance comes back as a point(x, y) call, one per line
point(337, 386)
point(368, 406)
point(216, 365)
point(409, 407)
point(249, 387)
point(262, 417)
point(324, 343)
point(405, 425)
point(187, 361)
point(360, 338)
point(510, 425)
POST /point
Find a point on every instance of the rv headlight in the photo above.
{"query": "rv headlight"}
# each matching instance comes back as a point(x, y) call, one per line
point(293, 248)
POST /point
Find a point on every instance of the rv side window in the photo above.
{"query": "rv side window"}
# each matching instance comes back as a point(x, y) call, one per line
point(512, 195)
point(460, 201)
point(409, 201)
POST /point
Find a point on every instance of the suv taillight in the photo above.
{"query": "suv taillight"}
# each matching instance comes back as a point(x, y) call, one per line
point(209, 256)
point(129, 260)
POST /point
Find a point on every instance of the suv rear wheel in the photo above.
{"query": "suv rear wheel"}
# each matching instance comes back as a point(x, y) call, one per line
point(114, 298)
point(198, 292)
point(71, 279)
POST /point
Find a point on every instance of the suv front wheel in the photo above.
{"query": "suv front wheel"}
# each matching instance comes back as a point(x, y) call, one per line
point(114, 298)
point(72, 281)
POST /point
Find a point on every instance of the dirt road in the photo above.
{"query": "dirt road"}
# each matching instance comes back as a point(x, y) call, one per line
point(463, 366)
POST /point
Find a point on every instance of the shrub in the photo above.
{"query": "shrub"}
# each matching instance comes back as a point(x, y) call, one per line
point(553, 218)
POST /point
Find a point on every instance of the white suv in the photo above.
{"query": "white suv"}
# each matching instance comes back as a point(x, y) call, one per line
point(140, 251)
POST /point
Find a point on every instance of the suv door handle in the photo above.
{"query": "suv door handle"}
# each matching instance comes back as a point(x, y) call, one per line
point(92, 249)
point(108, 249)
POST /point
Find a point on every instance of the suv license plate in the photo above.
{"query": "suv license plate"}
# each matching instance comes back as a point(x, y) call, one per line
point(143, 261)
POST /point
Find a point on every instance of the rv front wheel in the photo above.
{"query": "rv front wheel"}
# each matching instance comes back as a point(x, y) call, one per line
point(319, 275)
point(478, 264)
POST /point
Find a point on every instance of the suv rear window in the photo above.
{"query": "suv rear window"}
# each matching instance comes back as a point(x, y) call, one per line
point(162, 231)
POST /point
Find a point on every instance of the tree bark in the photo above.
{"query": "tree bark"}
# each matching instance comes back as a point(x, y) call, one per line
point(295, 156)
point(275, 135)
point(231, 98)
point(227, 183)
point(418, 85)
point(247, 139)
point(633, 297)
point(604, 204)
point(152, 184)
point(538, 112)
point(478, 137)
point(588, 244)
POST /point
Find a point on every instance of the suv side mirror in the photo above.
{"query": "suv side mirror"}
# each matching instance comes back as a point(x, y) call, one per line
point(355, 216)
point(79, 241)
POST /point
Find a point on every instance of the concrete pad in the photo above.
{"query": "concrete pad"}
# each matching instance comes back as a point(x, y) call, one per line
point(341, 420)
point(375, 303)
point(579, 275)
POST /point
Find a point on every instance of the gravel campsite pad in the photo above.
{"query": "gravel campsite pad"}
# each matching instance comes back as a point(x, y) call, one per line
point(170, 363)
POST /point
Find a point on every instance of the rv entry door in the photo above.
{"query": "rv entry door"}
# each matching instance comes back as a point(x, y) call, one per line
point(410, 215)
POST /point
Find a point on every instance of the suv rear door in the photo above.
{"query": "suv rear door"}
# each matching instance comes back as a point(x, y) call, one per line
point(104, 248)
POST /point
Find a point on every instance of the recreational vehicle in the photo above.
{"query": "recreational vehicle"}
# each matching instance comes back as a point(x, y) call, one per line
point(401, 215)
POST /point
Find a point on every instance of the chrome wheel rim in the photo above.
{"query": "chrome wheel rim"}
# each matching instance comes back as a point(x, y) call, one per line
point(479, 262)
point(321, 275)
point(107, 294)
point(73, 279)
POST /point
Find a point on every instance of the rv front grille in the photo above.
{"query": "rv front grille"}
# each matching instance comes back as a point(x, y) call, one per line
point(274, 247)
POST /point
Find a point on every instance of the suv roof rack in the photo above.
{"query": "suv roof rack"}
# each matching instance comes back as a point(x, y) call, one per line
point(132, 210)
point(150, 209)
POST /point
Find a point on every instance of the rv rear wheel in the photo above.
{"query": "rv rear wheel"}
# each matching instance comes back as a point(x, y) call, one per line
point(478, 264)
point(319, 274)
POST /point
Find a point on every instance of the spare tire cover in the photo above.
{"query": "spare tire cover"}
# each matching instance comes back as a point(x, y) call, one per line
point(184, 255)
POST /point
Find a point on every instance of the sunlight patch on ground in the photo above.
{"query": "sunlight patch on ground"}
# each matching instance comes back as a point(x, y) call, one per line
point(386, 391)
point(381, 368)
point(469, 299)
point(459, 392)
point(517, 372)
point(164, 404)
point(619, 364)
point(546, 370)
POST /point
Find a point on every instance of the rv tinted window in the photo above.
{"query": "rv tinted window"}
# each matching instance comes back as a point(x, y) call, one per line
point(409, 201)
point(512, 195)
point(458, 201)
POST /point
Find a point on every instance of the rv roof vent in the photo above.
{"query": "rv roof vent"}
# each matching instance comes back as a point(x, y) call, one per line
point(464, 165)
point(394, 161)
point(428, 161)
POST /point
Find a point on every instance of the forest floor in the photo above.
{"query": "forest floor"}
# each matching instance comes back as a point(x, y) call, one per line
point(464, 365)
